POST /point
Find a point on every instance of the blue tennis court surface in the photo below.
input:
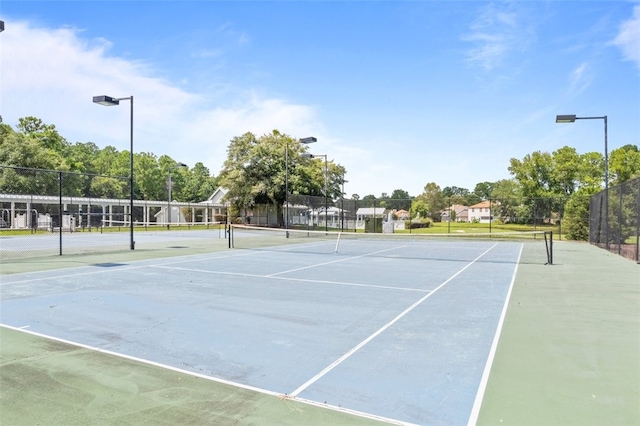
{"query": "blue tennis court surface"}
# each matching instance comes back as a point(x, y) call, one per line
point(401, 337)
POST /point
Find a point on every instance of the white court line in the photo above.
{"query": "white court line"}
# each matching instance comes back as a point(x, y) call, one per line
point(127, 265)
point(334, 261)
point(210, 378)
point(271, 277)
point(55, 277)
point(475, 411)
point(383, 328)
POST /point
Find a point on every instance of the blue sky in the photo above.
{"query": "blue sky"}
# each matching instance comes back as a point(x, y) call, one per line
point(400, 93)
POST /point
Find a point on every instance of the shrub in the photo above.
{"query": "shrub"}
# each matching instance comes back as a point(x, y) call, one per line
point(418, 223)
point(576, 217)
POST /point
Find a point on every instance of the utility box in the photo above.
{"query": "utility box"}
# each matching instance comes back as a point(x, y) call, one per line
point(68, 223)
point(373, 225)
point(387, 227)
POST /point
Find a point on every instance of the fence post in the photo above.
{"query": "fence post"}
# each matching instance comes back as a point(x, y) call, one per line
point(59, 212)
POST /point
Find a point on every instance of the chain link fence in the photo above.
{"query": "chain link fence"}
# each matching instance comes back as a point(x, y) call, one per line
point(47, 212)
point(371, 214)
point(614, 222)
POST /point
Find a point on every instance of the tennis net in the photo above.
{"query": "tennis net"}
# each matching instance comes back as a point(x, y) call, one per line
point(535, 247)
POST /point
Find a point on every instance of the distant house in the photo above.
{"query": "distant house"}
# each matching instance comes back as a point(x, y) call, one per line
point(364, 212)
point(455, 213)
point(480, 212)
point(170, 216)
point(218, 206)
point(401, 214)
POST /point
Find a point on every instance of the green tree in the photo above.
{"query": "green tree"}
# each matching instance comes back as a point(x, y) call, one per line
point(399, 200)
point(576, 216)
point(21, 150)
point(368, 201)
point(591, 171)
point(419, 208)
point(482, 191)
point(109, 187)
point(256, 170)
point(624, 164)
point(46, 134)
point(148, 178)
point(506, 200)
point(565, 176)
point(199, 184)
point(236, 174)
point(434, 200)
point(310, 177)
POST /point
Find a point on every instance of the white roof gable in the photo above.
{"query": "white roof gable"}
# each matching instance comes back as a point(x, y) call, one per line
point(216, 197)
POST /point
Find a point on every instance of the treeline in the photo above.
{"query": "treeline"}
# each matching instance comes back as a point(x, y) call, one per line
point(92, 171)
point(558, 183)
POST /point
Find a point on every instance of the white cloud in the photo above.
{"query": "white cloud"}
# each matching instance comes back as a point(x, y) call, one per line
point(54, 73)
point(494, 34)
point(581, 77)
point(628, 39)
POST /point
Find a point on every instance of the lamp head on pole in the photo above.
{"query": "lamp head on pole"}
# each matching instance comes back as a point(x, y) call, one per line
point(106, 100)
point(308, 140)
point(565, 118)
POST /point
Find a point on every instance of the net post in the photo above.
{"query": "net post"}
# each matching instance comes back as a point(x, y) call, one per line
point(229, 229)
point(337, 242)
point(549, 246)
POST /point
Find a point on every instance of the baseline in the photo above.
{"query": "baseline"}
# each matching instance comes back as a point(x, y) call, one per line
point(206, 377)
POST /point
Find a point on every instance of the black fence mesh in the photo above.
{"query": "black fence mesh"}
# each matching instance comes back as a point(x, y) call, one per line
point(43, 211)
point(370, 214)
point(614, 222)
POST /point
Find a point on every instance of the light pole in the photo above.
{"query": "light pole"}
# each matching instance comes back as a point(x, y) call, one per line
point(109, 101)
point(571, 119)
point(305, 141)
point(326, 175)
point(174, 167)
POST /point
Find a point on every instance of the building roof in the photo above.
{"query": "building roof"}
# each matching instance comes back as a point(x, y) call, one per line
point(216, 197)
point(481, 205)
point(370, 211)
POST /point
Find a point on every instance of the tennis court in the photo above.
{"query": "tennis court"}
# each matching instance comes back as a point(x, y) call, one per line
point(401, 331)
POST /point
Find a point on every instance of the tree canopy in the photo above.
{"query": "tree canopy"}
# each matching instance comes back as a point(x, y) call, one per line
point(260, 170)
point(89, 170)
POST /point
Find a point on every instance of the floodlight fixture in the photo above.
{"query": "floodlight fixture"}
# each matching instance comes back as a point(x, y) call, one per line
point(565, 118)
point(1, 26)
point(107, 100)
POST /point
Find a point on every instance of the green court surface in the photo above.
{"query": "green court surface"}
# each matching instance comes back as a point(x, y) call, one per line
point(46, 382)
point(568, 354)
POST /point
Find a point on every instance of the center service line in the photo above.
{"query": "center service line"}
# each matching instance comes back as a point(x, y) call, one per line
point(386, 326)
point(333, 261)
